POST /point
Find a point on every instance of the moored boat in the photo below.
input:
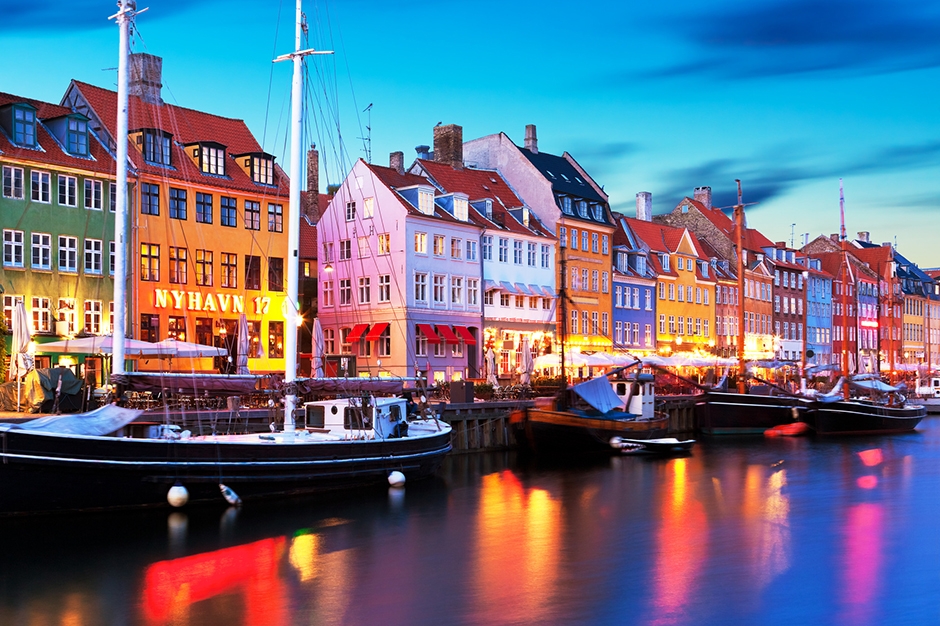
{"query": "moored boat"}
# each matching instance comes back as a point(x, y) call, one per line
point(883, 411)
point(730, 413)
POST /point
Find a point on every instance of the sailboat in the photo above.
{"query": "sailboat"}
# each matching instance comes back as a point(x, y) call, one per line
point(880, 408)
point(85, 461)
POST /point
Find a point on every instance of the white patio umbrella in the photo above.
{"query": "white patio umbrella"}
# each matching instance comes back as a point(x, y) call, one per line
point(318, 347)
point(20, 362)
point(187, 350)
point(244, 345)
point(526, 362)
point(491, 368)
point(102, 344)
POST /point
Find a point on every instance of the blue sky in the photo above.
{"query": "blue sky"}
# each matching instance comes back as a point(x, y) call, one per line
point(788, 96)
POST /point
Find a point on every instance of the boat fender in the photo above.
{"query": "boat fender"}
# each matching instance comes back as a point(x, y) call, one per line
point(230, 496)
point(616, 442)
point(794, 412)
point(396, 479)
point(177, 496)
point(186, 434)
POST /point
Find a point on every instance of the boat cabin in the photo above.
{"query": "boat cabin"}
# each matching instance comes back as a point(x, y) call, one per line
point(637, 392)
point(358, 418)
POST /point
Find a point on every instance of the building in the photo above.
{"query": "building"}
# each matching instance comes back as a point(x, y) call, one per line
point(207, 215)
point(789, 315)
point(57, 207)
point(634, 302)
point(571, 204)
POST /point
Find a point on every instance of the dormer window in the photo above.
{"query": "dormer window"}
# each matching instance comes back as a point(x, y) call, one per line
point(582, 208)
point(704, 270)
point(212, 159)
point(566, 205)
point(641, 266)
point(598, 211)
point(24, 126)
point(460, 209)
point(156, 147)
point(488, 207)
point(664, 259)
point(426, 201)
point(262, 170)
point(77, 136)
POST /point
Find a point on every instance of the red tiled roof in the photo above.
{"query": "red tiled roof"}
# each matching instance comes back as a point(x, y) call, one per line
point(187, 126)
point(308, 239)
point(392, 178)
point(52, 153)
point(753, 239)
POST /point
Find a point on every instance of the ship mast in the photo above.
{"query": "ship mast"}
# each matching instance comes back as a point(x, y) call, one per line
point(845, 293)
point(739, 227)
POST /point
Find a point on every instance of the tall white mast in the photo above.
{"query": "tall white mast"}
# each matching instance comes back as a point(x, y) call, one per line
point(293, 221)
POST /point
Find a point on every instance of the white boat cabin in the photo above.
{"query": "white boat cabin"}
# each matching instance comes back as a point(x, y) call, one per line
point(638, 394)
point(358, 418)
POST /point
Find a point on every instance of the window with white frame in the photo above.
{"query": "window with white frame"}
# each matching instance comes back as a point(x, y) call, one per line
point(9, 302)
point(439, 289)
point(605, 282)
point(473, 291)
point(456, 290)
point(68, 190)
point(93, 316)
point(385, 287)
point(368, 208)
point(594, 237)
point(584, 240)
point(618, 332)
point(517, 252)
point(345, 292)
point(384, 342)
point(112, 197)
point(365, 290)
point(593, 322)
point(66, 313)
point(456, 248)
point(421, 243)
point(546, 254)
point(350, 211)
point(364, 249)
point(68, 254)
point(345, 250)
point(426, 202)
point(605, 324)
point(13, 182)
point(461, 211)
point(503, 250)
point(421, 344)
point(488, 297)
point(471, 250)
point(421, 287)
point(93, 256)
point(605, 244)
point(327, 299)
point(94, 194)
point(439, 245)
point(487, 247)
point(40, 187)
point(42, 314)
point(41, 251)
point(573, 326)
point(504, 300)
point(12, 248)
point(531, 254)
point(384, 243)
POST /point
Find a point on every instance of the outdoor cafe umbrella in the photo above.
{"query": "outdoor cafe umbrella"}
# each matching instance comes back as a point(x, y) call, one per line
point(102, 344)
point(491, 368)
point(244, 345)
point(19, 359)
point(174, 348)
point(318, 349)
point(527, 364)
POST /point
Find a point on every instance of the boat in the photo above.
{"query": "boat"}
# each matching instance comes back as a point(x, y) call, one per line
point(663, 446)
point(86, 461)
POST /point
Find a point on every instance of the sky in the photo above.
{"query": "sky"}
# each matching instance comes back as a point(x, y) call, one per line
point(789, 96)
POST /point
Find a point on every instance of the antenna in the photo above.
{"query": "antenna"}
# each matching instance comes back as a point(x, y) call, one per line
point(368, 138)
point(792, 232)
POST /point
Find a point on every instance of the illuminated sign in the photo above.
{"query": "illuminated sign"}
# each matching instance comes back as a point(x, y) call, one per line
point(869, 324)
point(210, 302)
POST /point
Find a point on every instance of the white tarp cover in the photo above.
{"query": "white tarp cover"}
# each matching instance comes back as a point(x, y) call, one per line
point(102, 421)
point(598, 393)
point(874, 385)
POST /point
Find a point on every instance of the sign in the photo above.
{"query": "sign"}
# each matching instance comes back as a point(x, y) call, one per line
point(208, 302)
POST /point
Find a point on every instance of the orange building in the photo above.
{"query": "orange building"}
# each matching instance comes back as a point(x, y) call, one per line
point(208, 216)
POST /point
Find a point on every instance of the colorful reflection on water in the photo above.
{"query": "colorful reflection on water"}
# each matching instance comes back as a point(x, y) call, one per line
point(771, 532)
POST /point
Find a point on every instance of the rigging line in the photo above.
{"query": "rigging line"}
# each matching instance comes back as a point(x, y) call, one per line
point(267, 102)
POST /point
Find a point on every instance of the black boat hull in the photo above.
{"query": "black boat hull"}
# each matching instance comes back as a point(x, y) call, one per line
point(862, 418)
point(727, 413)
point(42, 472)
point(559, 433)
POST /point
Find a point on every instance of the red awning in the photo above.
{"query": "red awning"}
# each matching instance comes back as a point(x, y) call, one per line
point(464, 334)
point(447, 334)
point(376, 331)
point(356, 333)
point(429, 333)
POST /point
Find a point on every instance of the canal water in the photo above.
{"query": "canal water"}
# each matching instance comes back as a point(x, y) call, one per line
point(776, 531)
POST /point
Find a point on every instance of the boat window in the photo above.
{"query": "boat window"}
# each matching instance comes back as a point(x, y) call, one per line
point(353, 419)
point(395, 413)
point(316, 415)
point(621, 389)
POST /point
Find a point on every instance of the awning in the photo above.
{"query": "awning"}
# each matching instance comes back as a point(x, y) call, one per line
point(522, 289)
point(535, 290)
point(465, 334)
point(507, 287)
point(429, 333)
point(376, 331)
point(548, 291)
point(356, 333)
point(490, 285)
point(447, 334)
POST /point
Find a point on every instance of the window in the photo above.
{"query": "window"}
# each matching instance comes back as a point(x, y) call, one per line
point(618, 332)
point(77, 137)
point(112, 197)
point(662, 291)
point(345, 292)
point(365, 290)
point(384, 343)
point(262, 170)
point(385, 288)
point(385, 244)
point(456, 290)
point(93, 316)
point(228, 212)
point(24, 126)
point(345, 250)
point(566, 206)
point(328, 252)
point(545, 255)
point(421, 243)
point(204, 268)
point(698, 295)
point(456, 247)
point(275, 218)
point(520, 302)
point(594, 242)
point(582, 209)
point(574, 239)
point(574, 322)
point(93, 256)
point(229, 263)
point(487, 247)
point(327, 299)
point(421, 287)
point(504, 300)
point(584, 240)
point(149, 198)
point(664, 260)
point(364, 250)
point(276, 339)
point(681, 293)
point(605, 243)
point(204, 208)
point(66, 313)
point(471, 250)
point(605, 282)
point(584, 322)
point(111, 258)
point(42, 314)
point(68, 190)
point(156, 147)
point(473, 291)
point(40, 187)
point(488, 297)
point(252, 215)
point(12, 248)
point(368, 208)
point(13, 182)
point(605, 324)
point(682, 326)
point(212, 160)
point(503, 250)
point(562, 237)
point(594, 280)
point(176, 327)
point(584, 279)
point(149, 262)
point(177, 204)
point(517, 252)
point(438, 293)
point(350, 211)
point(68, 254)
point(41, 251)
point(275, 274)
point(705, 293)
point(461, 211)
point(438, 245)
point(252, 272)
point(426, 202)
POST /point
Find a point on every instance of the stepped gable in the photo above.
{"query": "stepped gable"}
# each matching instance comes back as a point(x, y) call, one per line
point(187, 126)
point(51, 152)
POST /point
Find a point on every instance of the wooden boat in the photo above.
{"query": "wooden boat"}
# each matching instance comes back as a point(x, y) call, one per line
point(585, 418)
point(729, 413)
point(884, 411)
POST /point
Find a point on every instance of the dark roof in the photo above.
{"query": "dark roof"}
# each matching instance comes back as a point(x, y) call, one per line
point(563, 176)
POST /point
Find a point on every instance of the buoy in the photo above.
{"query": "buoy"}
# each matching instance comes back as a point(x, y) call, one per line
point(177, 496)
point(230, 496)
point(616, 442)
point(396, 479)
point(788, 430)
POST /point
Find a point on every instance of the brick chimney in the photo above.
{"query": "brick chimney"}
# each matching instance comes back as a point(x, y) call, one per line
point(396, 161)
point(311, 200)
point(863, 236)
point(834, 237)
point(531, 139)
point(704, 195)
point(644, 206)
point(448, 145)
point(145, 77)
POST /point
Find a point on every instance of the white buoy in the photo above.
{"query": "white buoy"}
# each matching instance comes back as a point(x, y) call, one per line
point(230, 496)
point(616, 442)
point(177, 496)
point(396, 479)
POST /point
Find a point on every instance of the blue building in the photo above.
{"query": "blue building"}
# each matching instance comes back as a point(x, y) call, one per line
point(633, 302)
point(818, 313)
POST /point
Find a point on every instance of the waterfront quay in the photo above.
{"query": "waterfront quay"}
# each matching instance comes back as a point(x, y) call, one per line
point(743, 531)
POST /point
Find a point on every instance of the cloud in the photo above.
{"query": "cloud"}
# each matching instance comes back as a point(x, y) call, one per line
point(608, 150)
point(746, 40)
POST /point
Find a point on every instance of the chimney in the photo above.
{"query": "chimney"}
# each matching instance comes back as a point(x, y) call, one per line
point(424, 152)
point(863, 236)
point(311, 208)
point(145, 77)
point(834, 237)
point(448, 145)
point(396, 161)
point(332, 189)
point(704, 195)
point(780, 244)
point(531, 139)
point(644, 206)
